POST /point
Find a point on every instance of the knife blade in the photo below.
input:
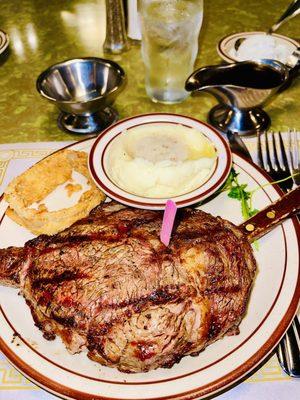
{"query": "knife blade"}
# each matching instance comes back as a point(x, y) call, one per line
point(237, 145)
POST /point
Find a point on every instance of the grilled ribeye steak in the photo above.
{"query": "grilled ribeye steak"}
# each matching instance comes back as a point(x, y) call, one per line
point(107, 284)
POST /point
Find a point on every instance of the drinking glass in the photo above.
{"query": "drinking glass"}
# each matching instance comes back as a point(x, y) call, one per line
point(170, 30)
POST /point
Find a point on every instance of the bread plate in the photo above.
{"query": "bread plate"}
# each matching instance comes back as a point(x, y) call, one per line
point(4, 41)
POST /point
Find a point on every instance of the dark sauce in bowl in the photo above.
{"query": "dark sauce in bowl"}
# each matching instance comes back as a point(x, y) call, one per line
point(254, 76)
point(246, 74)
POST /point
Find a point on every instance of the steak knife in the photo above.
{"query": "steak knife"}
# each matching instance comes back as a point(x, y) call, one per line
point(237, 145)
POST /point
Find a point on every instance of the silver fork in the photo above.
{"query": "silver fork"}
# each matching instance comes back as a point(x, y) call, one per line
point(293, 147)
point(280, 168)
point(287, 353)
point(288, 350)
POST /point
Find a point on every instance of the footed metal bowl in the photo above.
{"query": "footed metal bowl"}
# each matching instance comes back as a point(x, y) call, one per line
point(83, 89)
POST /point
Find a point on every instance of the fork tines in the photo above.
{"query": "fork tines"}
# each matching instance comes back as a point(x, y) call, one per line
point(293, 143)
point(273, 159)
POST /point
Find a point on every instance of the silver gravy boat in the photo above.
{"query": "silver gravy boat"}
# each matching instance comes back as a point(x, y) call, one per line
point(242, 89)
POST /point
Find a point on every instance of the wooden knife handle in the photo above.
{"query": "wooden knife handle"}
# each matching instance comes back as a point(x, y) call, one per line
point(272, 215)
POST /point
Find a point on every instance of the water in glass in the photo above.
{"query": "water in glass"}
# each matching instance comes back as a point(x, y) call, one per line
point(170, 30)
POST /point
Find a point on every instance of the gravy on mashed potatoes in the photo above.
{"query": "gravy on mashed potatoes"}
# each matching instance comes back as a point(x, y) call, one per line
point(160, 160)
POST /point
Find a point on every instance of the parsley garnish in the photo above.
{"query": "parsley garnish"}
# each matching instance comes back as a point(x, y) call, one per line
point(239, 192)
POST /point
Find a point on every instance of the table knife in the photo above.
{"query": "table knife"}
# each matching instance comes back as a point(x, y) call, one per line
point(237, 145)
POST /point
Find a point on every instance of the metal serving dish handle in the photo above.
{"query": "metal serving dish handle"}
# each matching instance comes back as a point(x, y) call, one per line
point(272, 215)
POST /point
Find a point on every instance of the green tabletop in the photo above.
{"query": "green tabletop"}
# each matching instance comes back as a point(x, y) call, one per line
point(45, 32)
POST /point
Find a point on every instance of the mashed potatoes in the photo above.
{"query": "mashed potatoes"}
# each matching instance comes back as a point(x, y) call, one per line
point(160, 160)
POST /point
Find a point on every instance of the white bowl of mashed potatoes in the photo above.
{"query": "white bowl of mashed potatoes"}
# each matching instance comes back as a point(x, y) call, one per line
point(145, 160)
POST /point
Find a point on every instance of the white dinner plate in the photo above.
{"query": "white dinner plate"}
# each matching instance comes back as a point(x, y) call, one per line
point(272, 305)
point(99, 161)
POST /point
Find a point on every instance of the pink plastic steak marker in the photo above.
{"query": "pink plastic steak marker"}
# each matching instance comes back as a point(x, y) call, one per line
point(168, 222)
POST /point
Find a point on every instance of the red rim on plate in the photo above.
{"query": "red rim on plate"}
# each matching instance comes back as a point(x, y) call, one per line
point(98, 156)
point(53, 384)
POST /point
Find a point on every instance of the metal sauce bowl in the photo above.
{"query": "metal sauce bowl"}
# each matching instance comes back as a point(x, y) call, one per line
point(83, 89)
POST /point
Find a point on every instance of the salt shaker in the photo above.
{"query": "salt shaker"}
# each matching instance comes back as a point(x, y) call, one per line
point(116, 38)
point(133, 25)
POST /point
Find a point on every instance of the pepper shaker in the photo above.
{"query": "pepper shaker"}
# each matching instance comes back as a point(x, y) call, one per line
point(116, 38)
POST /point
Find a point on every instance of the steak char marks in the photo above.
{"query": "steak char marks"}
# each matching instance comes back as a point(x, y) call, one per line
point(109, 286)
